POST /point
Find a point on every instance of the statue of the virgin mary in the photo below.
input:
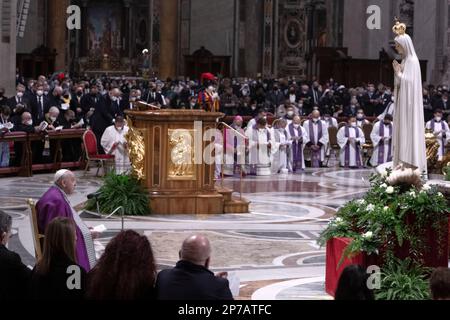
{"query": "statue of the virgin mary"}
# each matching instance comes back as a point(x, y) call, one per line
point(409, 129)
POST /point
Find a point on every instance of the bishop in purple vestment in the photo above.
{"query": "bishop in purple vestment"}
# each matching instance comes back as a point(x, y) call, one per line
point(54, 203)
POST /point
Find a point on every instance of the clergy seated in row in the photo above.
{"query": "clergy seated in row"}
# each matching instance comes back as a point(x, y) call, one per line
point(55, 203)
point(351, 139)
point(114, 142)
point(26, 124)
point(317, 131)
point(441, 131)
point(260, 148)
point(381, 137)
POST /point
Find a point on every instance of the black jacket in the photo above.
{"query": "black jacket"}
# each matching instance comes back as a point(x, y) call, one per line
point(53, 285)
point(14, 276)
point(188, 281)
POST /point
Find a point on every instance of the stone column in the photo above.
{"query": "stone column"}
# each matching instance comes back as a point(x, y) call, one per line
point(8, 16)
point(169, 38)
point(57, 31)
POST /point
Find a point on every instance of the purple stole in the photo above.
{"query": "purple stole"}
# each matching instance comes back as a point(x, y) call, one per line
point(297, 150)
point(433, 122)
point(381, 145)
point(315, 155)
point(347, 149)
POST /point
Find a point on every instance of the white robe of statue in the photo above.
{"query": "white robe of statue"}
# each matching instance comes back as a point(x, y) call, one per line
point(343, 140)
point(109, 138)
point(442, 134)
point(376, 140)
point(409, 131)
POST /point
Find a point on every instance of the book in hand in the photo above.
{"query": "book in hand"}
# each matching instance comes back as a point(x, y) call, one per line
point(43, 126)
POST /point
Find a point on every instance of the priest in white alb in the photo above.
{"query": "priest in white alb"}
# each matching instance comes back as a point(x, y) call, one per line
point(381, 137)
point(114, 142)
point(260, 148)
point(351, 139)
point(440, 130)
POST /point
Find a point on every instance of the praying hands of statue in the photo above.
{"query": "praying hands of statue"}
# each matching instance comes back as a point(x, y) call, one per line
point(397, 67)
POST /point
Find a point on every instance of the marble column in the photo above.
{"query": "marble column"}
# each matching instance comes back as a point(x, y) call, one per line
point(57, 31)
point(169, 38)
point(8, 16)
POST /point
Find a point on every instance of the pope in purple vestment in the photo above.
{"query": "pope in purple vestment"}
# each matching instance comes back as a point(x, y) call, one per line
point(54, 203)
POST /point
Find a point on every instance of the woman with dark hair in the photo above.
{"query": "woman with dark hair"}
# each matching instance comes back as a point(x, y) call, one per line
point(57, 276)
point(353, 284)
point(126, 271)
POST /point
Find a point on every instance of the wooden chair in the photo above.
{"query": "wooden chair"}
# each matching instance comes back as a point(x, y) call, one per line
point(368, 146)
point(90, 147)
point(333, 143)
point(38, 238)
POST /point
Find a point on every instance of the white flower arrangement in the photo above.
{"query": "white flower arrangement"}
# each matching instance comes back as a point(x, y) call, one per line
point(370, 207)
point(390, 190)
point(440, 194)
point(361, 202)
point(368, 235)
point(386, 208)
point(412, 194)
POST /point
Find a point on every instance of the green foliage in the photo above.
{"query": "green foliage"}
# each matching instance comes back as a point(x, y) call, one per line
point(390, 216)
point(404, 280)
point(122, 190)
point(447, 173)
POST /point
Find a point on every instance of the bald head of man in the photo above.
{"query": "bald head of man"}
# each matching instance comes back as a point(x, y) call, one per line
point(197, 250)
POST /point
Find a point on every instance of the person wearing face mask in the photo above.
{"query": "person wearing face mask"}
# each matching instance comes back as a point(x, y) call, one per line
point(329, 120)
point(52, 118)
point(289, 114)
point(280, 147)
point(18, 98)
point(14, 275)
point(351, 139)
point(114, 142)
point(440, 130)
point(370, 100)
point(39, 104)
point(235, 147)
point(361, 120)
point(317, 131)
point(276, 97)
point(260, 148)
point(262, 113)
point(381, 137)
point(298, 139)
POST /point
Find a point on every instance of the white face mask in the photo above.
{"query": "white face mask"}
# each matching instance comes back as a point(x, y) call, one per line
point(53, 119)
point(46, 93)
point(438, 119)
point(40, 93)
point(353, 124)
point(138, 98)
point(290, 113)
point(20, 94)
point(114, 99)
point(29, 122)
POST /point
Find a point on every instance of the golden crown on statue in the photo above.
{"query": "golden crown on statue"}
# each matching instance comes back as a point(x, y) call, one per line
point(399, 28)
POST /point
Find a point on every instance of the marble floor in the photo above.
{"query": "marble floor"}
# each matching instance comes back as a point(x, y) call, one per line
point(272, 250)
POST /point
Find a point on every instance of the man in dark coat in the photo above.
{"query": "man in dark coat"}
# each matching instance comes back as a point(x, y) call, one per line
point(190, 279)
point(14, 275)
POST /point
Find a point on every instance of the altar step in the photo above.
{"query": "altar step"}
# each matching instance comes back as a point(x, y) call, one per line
point(233, 204)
